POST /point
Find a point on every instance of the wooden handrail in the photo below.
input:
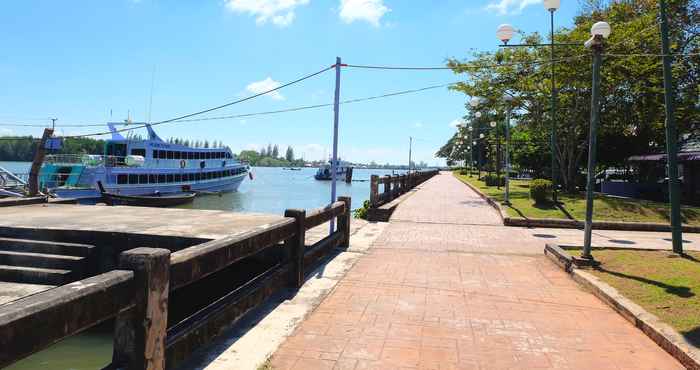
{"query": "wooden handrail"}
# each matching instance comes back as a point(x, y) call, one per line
point(321, 215)
point(196, 262)
point(61, 312)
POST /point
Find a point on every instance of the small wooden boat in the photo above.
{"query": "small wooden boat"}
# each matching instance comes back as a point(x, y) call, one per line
point(156, 200)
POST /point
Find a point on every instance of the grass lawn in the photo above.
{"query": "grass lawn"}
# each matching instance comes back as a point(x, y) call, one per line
point(660, 281)
point(574, 206)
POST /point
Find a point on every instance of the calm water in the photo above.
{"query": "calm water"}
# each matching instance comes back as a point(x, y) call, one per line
point(272, 190)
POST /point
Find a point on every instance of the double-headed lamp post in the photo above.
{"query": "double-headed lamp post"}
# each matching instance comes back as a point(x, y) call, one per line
point(508, 100)
point(505, 33)
point(599, 32)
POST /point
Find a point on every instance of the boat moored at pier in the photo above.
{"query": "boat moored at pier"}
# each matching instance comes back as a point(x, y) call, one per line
point(325, 172)
point(142, 167)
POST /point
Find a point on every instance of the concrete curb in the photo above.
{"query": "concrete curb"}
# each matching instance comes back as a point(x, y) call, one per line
point(662, 334)
point(557, 223)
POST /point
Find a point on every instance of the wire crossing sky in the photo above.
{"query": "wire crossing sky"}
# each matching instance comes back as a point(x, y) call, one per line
point(86, 63)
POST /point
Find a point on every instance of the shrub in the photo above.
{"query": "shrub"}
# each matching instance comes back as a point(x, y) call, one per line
point(463, 172)
point(362, 211)
point(540, 190)
point(494, 180)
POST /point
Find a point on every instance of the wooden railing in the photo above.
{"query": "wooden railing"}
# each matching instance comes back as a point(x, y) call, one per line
point(394, 186)
point(137, 293)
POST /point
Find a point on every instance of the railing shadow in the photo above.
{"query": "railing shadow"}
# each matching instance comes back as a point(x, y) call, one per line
point(679, 291)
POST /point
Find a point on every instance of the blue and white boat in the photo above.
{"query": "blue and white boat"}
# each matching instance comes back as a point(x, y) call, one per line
point(326, 171)
point(142, 167)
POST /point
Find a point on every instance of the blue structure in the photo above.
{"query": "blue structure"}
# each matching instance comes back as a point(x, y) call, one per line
point(142, 167)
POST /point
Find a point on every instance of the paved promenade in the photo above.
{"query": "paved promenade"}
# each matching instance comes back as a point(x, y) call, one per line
point(446, 287)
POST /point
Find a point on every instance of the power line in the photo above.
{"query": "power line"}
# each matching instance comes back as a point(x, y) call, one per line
point(214, 108)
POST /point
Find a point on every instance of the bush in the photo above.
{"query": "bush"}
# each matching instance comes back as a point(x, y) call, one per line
point(494, 180)
point(362, 211)
point(540, 190)
point(463, 172)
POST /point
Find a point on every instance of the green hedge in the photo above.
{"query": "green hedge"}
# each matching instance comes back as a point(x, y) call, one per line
point(540, 190)
point(494, 180)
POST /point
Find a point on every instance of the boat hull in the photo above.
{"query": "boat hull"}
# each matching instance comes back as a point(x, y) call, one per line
point(222, 185)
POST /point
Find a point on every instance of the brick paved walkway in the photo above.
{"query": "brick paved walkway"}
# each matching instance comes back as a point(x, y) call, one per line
point(450, 289)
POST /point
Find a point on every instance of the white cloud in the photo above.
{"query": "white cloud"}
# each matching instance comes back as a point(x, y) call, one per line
point(279, 12)
point(6, 132)
point(370, 11)
point(456, 122)
point(504, 7)
point(418, 125)
point(265, 85)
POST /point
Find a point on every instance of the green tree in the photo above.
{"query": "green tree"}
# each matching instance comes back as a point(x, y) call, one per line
point(289, 156)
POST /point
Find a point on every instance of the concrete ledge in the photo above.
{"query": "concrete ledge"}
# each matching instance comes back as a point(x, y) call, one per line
point(10, 202)
point(662, 334)
point(383, 213)
point(557, 223)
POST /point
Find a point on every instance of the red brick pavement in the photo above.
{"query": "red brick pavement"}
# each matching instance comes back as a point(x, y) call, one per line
point(420, 300)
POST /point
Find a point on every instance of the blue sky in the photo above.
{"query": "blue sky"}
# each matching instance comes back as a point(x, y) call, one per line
point(79, 60)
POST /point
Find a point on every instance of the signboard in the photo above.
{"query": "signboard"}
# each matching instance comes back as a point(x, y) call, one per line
point(53, 143)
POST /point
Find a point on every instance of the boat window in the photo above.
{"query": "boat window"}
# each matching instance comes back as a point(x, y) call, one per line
point(152, 179)
point(170, 178)
point(122, 179)
point(178, 177)
point(143, 179)
point(177, 155)
point(161, 178)
point(196, 155)
point(169, 154)
point(133, 179)
point(207, 155)
point(141, 152)
point(197, 177)
point(162, 154)
point(190, 155)
point(155, 154)
point(190, 177)
point(208, 175)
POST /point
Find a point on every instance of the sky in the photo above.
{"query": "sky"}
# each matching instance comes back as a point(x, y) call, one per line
point(90, 62)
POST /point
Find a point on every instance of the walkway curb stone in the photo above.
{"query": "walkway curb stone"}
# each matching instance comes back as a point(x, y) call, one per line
point(662, 334)
point(574, 224)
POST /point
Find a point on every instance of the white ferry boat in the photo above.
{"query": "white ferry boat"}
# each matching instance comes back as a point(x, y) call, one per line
point(325, 172)
point(142, 167)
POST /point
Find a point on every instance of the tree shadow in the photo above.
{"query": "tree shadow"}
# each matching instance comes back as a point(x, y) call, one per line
point(621, 241)
point(680, 291)
point(692, 336)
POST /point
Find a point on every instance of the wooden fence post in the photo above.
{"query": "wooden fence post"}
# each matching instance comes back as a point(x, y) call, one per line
point(373, 190)
point(387, 188)
point(344, 221)
point(139, 334)
point(295, 248)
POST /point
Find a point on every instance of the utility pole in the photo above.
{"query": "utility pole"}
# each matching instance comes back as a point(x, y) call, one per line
point(334, 161)
point(410, 146)
point(53, 123)
point(553, 107)
point(671, 138)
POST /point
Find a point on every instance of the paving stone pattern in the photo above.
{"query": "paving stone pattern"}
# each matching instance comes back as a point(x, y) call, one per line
point(436, 292)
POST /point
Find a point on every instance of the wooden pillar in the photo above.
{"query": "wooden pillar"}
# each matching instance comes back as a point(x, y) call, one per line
point(344, 221)
point(295, 248)
point(38, 160)
point(373, 190)
point(140, 332)
point(387, 188)
point(348, 175)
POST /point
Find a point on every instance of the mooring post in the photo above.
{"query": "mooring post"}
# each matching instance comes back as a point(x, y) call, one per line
point(387, 188)
point(373, 190)
point(38, 160)
point(344, 221)
point(139, 333)
point(295, 247)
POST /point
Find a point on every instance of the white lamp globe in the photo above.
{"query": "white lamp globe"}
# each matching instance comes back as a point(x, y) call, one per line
point(469, 148)
point(475, 101)
point(493, 123)
point(469, 128)
point(477, 114)
point(602, 29)
point(474, 142)
point(505, 32)
point(551, 5)
point(507, 98)
point(481, 136)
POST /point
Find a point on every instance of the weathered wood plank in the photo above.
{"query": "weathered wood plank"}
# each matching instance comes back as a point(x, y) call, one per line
point(196, 262)
point(321, 249)
point(61, 312)
point(320, 215)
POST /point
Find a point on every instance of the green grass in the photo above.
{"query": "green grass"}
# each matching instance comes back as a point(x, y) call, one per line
point(574, 206)
point(662, 282)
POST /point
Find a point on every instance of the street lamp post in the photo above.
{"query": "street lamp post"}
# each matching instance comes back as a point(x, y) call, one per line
point(497, 159)
point(505, 33)
point(599, 31)
point(508, 99)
